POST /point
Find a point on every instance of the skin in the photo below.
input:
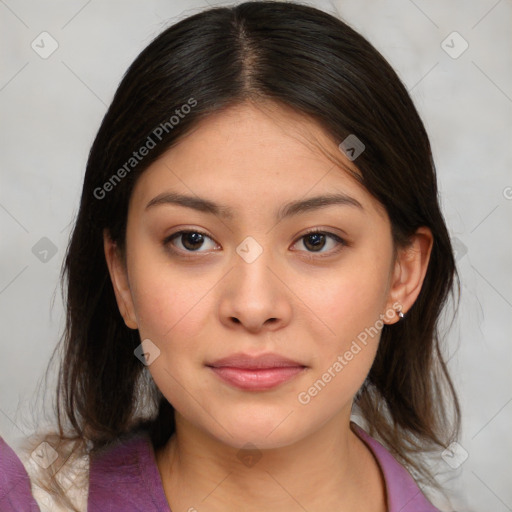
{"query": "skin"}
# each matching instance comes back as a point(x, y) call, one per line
point(290, 300)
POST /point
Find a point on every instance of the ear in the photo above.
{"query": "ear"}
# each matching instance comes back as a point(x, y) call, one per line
point(119, 278)
point(409, 272)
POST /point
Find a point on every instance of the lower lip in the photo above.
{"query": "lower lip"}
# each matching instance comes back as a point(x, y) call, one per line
point(257, 380)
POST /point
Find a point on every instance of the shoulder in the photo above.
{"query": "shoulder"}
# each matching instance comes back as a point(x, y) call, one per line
point(15, 492)
point(122, 474)
point(404, 494)
point(32, 462)
point(125, 475)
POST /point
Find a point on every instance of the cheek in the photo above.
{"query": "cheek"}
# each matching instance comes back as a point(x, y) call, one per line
point(170, 306)
point(165, 295)
point(344, 357)
point(172, 310)
point(353, 298)
point(351, 304)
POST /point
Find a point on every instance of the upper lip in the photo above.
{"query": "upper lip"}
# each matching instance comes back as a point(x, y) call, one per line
point(241, 360)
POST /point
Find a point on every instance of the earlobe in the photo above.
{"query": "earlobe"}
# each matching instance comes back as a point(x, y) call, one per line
point(409, 273)
point(119, 279)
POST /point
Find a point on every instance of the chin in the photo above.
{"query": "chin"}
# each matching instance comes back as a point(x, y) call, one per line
point(265, 432)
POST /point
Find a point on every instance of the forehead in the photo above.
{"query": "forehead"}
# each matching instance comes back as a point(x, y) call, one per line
point(251, 155)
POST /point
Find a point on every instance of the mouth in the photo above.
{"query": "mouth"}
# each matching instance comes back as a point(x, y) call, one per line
point(254, 362)
point(259, 379)
point(256, 373)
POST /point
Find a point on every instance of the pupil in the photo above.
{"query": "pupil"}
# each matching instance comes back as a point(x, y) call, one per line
point(194, 238)
point(318, 239)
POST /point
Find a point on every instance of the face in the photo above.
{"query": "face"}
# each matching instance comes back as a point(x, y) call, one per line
point(248, 278)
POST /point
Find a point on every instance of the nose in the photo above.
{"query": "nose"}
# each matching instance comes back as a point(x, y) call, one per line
point(254, 296)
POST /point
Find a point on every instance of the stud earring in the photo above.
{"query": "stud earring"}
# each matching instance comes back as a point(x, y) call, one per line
point(400, 313)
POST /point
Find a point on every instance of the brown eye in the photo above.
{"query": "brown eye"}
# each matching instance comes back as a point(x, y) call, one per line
point(314, 241)
point(190, 241)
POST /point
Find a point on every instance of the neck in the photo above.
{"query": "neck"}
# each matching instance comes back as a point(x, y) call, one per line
point(199, 472)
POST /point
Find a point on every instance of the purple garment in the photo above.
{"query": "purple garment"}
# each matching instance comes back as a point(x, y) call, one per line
point(15, 493)
point(403, 493)
point(124, 477)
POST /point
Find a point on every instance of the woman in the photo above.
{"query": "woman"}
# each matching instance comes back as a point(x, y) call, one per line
point(259, 259)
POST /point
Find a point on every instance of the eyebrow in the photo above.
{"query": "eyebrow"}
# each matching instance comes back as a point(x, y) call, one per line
point(287, 210)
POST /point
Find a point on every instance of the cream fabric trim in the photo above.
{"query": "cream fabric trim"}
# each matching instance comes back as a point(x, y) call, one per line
point(75, 481)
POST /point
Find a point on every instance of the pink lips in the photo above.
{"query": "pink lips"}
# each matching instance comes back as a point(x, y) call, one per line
point(256, 373)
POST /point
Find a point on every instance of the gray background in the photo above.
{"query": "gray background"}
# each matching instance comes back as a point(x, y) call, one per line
point(51, 108)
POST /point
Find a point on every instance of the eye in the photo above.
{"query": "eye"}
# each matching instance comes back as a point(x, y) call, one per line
point(190, 240)
point(316, 240)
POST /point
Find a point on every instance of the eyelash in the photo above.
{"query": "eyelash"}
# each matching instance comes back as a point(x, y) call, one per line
point(340, 241)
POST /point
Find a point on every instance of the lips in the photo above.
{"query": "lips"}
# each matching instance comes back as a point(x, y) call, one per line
point(256, 373)
point(247, 361)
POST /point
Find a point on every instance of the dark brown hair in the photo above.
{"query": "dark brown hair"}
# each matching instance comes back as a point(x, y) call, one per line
point(307, 60)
